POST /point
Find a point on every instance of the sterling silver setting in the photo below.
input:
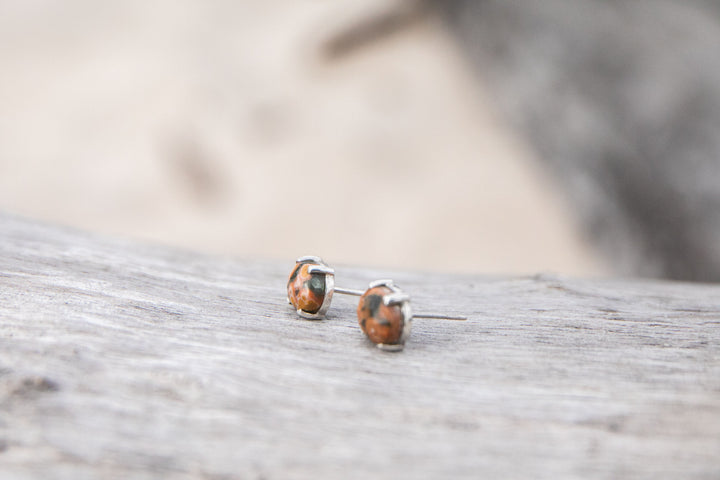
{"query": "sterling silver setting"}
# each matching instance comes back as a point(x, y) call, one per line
point(329, 277)
point(322, 268)
point(401, 299)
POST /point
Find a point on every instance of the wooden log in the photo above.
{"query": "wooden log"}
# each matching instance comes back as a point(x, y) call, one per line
point(121, 360)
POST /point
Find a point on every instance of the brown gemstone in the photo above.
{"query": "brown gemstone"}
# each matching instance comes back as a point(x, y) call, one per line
point(381, 323)
point(306, 291)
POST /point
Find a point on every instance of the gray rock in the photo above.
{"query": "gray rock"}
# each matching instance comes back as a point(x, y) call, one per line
point(622, 101)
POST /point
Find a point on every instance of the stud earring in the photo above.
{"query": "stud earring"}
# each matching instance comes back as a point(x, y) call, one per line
point(385, 316)
point(311, 286)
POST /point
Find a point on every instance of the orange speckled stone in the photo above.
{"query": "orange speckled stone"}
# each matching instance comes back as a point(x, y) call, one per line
point(382, 324)
point(306, 291)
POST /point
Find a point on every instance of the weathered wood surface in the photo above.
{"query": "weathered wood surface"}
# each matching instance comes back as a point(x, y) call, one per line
point(120, 360)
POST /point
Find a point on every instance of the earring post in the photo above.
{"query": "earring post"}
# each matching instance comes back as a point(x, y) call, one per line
point(347, 291)
point(437, 316)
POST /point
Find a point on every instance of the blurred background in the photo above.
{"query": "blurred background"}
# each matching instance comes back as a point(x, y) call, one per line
point(580, 137)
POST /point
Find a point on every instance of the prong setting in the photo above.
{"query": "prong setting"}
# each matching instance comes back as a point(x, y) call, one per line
point(321, 269)
point(382, 283)
point(400, 298)
point(310, 258)
point(395, 299)
point(387, 327)
point(303, 287)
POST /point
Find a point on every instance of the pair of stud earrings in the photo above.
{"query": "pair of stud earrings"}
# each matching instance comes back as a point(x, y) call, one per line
point(383, 312)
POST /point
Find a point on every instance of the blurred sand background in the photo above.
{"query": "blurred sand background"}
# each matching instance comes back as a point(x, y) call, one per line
point(218, 126)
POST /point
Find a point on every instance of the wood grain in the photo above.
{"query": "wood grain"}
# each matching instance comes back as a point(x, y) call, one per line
point(120, 360)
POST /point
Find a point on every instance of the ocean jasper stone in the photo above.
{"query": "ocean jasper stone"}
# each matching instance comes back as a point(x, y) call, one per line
point(381, 323)
point(306, 291)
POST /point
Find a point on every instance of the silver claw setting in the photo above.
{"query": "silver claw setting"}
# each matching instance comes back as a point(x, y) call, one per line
point(329, 274)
